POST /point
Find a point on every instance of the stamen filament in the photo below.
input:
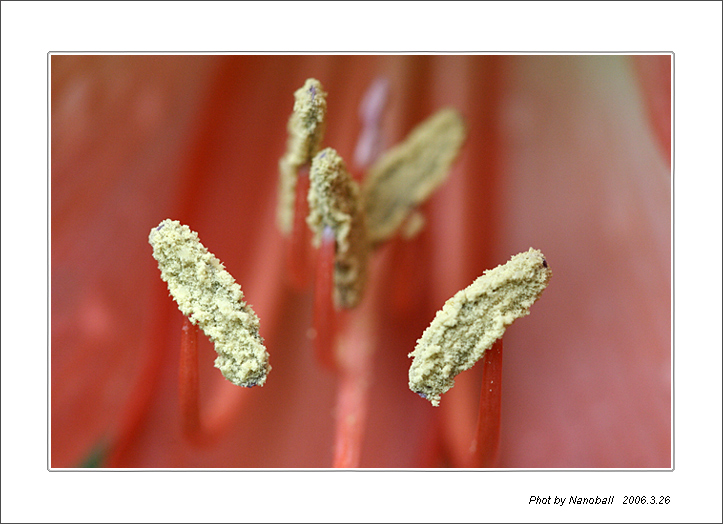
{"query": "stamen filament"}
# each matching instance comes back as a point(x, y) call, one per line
point(371, 110)
point(485, 445)
point(324, 311)
point(188, 387)
point(298, 253)
point(356, 349)
point(350, 426)
point(357, 340)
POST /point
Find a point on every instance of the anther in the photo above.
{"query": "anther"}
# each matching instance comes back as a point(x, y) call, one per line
point(209, 296)
point(406, 175)
point(471, 321)
point(335, 203)
point(305, 133)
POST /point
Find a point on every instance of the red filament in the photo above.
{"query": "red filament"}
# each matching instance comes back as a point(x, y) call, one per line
point(324, 310)
point(487, 440)
point(298, 252)
point(188, 388)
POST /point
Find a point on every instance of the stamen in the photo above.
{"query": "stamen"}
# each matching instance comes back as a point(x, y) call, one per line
point(298, 251)
point(471, 321)
point(406, 175)
point(351, 419)
point(334, 203)
point(371, 109)
point(356, 343)
point(485, 446)
point(324, 310)
point(209, 296)
point(306, 131)
point(188, 388)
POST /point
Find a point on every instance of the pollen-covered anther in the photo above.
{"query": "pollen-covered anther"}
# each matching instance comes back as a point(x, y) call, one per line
point(406, 175)
point(335, 203)
point(473, 319)
point(211, 298)
point(305, 132)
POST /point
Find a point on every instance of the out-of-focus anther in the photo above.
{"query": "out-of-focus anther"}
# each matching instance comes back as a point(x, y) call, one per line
point(305, 132)
point(335, 203)
point(406, 175)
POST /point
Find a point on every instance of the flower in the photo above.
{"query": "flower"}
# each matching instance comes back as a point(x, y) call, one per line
point(569, 154)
